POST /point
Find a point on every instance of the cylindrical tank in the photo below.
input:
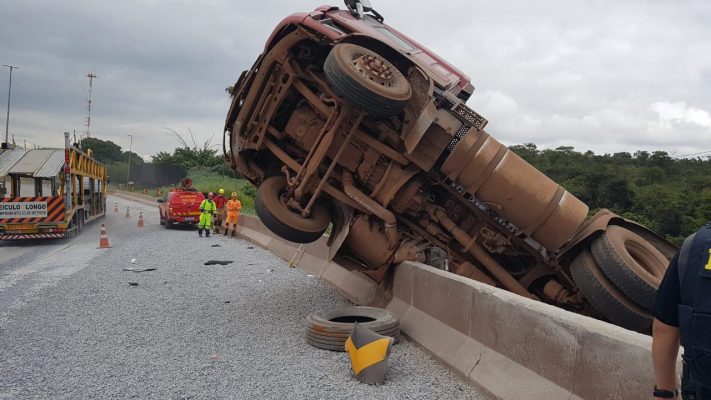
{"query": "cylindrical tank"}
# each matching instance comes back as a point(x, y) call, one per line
point(516, 190)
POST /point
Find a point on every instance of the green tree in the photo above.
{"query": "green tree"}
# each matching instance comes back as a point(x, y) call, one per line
point(104, 150)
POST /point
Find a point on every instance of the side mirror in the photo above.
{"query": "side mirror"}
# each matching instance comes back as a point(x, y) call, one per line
point(160, 201)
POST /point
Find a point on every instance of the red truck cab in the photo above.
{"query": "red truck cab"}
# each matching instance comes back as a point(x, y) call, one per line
point(180, 206)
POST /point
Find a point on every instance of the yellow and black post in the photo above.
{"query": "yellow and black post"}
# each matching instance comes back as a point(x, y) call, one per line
point(369, 354)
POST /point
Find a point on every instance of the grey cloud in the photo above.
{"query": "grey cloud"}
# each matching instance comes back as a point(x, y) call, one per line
point(553, 72)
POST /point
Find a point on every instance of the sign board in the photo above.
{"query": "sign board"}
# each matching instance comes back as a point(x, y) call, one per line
point(30, 209)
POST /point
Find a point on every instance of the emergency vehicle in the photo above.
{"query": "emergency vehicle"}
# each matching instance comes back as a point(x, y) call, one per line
point(181, 205)
point(49, 193)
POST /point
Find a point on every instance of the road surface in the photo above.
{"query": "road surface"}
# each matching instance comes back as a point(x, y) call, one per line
point(73, 327)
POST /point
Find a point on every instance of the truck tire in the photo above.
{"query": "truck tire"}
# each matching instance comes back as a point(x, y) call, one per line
point(330, 329)
point(609, 301)
point(275, 215)
point(367, 80)
point(168, 224)
point(631, 263)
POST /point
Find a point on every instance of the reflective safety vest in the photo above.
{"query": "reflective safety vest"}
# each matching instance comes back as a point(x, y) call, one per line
point(694, 264)
point(208, 206)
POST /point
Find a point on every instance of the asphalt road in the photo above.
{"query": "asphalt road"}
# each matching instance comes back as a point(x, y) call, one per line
point(72, 325)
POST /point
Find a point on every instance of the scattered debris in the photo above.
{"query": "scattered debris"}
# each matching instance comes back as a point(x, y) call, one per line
point(227, 302)
point(139, 269)
point(270, 270)
point(213, 262)
point(134, 261)
point(250, 247)
point(133, 283)
point(215, 245)
point(293, 262)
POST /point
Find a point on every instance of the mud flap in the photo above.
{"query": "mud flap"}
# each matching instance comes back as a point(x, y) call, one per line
point(341, 220)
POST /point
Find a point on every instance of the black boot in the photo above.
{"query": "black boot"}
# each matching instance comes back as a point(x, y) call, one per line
point(200, 232)
point(207, 233)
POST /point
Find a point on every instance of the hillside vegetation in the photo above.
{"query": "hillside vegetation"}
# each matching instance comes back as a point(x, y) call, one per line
point(670, 196)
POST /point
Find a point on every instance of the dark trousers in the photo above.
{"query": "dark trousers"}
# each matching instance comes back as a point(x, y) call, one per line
point(691, 389)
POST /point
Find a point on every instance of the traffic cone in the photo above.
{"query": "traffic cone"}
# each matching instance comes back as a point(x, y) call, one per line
point(104, 238)
point(116, 208)
point(140, 219)
point(128, 214)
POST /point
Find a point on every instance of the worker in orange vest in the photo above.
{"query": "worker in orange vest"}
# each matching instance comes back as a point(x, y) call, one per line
point(233, 207)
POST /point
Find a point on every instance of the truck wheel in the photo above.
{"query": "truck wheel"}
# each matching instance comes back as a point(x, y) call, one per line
point(271, 209)
point(367, 80)
point(605, 297)
point(168, 224)
point(631, 263)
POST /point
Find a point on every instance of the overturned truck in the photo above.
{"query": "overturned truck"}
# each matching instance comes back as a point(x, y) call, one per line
point(345, 121)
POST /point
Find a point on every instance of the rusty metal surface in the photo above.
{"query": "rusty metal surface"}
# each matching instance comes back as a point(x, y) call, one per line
point(423, 175)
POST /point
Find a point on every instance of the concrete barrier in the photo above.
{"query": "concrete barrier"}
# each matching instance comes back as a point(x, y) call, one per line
point(506, 345)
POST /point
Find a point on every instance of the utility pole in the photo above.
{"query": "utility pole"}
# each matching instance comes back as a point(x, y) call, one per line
point(7, 119)
point(128, 169)
point(88, 103)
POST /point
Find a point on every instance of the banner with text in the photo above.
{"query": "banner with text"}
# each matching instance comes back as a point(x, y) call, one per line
point(30, 209)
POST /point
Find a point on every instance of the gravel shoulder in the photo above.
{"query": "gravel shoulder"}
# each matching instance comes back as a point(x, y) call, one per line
point(186, 331)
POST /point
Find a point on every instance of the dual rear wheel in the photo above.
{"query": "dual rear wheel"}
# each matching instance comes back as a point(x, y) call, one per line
point(619, 274)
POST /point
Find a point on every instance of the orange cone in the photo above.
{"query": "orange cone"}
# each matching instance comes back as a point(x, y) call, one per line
point(116, 208)
point(104, 238)
point(128, 214)
point(140, 219)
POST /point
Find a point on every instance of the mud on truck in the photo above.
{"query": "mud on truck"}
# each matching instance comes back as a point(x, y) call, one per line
point(344, 120)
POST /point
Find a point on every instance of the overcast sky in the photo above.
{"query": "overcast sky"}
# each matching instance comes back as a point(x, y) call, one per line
point(605, 76)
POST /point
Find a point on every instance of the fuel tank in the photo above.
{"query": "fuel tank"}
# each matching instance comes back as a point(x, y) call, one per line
point(518, 192)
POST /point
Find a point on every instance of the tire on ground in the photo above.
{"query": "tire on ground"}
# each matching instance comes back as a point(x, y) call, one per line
point(330, 329)
point(605, 297)
point(351, 83)
point(342, 336)
point(631, 263)
point(285, 223)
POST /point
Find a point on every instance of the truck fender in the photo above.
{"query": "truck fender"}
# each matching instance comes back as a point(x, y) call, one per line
point(600, 221)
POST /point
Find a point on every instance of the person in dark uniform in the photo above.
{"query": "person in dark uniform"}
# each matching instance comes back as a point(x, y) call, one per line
point(682, 314)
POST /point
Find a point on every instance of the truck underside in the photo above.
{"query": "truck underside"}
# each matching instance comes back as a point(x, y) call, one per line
point(354, 134)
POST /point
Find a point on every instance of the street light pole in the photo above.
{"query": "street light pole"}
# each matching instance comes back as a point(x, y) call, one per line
point(128, 169)
point(9, 89)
